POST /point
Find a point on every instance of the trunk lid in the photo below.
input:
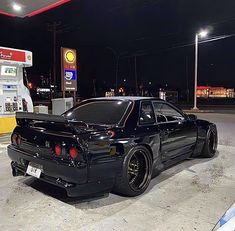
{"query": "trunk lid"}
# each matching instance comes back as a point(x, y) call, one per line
point(40, 133)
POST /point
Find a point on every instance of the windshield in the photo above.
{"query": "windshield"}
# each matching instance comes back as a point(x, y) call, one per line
point(99, 112)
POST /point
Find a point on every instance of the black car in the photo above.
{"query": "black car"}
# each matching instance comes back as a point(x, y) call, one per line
point(108, 144)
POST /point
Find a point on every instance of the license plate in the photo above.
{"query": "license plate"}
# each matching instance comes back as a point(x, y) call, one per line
point(34, 170)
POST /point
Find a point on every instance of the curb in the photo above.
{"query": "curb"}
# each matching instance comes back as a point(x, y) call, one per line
point(199, 111)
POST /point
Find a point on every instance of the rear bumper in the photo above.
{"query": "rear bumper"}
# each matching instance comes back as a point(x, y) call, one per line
point(72, 178)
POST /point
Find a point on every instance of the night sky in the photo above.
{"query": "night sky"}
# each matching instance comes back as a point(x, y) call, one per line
point(159, 32)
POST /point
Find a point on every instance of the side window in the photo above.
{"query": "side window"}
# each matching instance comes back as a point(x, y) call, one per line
point(157, 110)
point(170, 113)
point(165, 113)
point(146, 113)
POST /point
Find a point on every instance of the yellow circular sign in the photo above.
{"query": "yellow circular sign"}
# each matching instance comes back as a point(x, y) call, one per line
point(70, 56)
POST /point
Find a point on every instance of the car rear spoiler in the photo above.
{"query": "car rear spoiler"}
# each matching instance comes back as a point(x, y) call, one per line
point(23, 118)
point(27, 118)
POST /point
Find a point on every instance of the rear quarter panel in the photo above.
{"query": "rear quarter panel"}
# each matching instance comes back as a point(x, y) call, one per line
point(203, 127)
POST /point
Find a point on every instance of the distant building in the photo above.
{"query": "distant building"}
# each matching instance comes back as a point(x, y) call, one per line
point(110, 93)
point(214, 92)
point(171, 96)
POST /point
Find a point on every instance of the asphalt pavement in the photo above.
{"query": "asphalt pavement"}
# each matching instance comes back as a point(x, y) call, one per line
point(225, 124)
point(5, 138)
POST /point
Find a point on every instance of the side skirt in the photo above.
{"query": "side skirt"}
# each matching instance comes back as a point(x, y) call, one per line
point(176, 160)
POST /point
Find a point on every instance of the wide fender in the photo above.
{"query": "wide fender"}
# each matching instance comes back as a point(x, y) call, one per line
point(203, 127)
point(152, 142)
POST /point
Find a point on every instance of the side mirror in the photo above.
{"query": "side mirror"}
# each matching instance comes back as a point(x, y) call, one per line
point(192, 117)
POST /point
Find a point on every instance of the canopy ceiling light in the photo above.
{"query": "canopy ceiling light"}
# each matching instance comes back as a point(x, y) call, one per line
point(16, 7)
point(28, 8)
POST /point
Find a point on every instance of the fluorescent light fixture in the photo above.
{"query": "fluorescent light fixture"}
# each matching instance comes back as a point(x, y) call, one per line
point(16, 7)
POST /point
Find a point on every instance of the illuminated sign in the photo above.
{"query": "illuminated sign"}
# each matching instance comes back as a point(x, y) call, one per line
point(70, 75)
point(43, 89)
point(8, 71)
point(70, 56)
point(18, 56)
point(68, 69)
point(15, 56)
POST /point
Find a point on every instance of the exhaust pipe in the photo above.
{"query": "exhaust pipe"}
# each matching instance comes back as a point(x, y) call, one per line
point(15, 170)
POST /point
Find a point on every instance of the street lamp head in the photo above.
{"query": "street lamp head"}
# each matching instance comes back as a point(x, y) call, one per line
point(203, 33)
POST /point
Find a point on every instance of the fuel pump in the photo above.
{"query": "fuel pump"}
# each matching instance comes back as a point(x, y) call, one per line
point(14, 95)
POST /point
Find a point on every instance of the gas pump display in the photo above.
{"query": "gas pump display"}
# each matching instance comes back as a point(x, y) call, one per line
point(14, 95)
point(8, 70)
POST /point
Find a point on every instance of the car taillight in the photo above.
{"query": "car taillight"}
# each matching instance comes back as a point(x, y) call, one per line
point(111, 133)
point(73, 152)
point(58, 150)
point(13, 138)
point(18, 140)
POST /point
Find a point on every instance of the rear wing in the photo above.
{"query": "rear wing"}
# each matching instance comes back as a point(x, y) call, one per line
point(27, 119)
point(23, 118)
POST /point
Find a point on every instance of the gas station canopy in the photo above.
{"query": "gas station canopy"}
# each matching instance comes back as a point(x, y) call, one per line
point(28, 8)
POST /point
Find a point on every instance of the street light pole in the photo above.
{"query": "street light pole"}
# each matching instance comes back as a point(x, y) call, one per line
point(55, 30)
point(136, 79)
point(195, 73)
point(202, 34)
point(116, 73)
point(117, 57)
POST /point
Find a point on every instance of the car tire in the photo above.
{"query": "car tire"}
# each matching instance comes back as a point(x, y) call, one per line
point(136, 173)
point(210, 145)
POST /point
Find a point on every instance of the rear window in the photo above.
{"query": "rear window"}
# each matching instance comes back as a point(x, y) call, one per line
point(99, 112)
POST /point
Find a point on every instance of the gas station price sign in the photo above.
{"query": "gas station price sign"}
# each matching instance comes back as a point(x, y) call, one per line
point(8, 70)
point(68, 69)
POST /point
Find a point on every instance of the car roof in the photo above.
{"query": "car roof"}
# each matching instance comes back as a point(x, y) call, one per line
point(132, 98)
